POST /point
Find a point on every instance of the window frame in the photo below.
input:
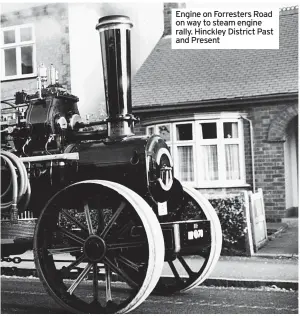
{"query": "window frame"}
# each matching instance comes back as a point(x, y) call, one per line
point(207, 142)
point(221, 142)
point(183, 143)
point(196, 142)
point(18, 45)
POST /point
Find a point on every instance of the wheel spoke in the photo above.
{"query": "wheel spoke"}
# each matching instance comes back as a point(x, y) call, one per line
point(64, 250)
point(101, 223)
point(128, 263)
point(74, 220)
point(113, 219)
point(124, 229)
point(121, 273)
point(108, 283)
point(186, 266)
point(73, 264)
point(71, 235)
point(95, 282)
point(81, 276)
point(88, 218)
point(132, 244)
point(176, 274)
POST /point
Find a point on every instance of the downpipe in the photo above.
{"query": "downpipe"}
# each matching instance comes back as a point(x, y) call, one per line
point(252, 153)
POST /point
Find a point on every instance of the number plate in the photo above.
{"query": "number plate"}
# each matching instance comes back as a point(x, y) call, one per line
point(195, 233)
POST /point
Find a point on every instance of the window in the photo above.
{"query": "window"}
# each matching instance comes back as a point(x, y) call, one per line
point(184, 151)
point(18, 52)
point(206, 153)
point(220, 151)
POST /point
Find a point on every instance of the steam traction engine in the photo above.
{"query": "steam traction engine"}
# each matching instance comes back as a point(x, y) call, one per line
point(108, 206)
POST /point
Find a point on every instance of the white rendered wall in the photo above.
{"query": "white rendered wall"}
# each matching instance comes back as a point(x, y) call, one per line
point(85, 53)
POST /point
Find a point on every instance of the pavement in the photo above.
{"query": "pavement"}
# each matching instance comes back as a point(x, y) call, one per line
point(274, 265)
point(284, 241)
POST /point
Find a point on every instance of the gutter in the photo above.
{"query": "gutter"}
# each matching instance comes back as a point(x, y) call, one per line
point(273, 98)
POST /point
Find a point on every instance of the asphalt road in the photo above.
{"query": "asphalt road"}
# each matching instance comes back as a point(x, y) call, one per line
point(27, 296)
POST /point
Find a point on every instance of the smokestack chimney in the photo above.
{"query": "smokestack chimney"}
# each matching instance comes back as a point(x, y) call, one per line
point(114, 33)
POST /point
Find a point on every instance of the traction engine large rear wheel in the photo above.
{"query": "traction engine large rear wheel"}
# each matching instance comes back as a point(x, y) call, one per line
point(184, 272)
point(101, 230)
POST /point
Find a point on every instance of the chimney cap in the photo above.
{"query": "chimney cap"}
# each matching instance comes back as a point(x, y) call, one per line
point(112, 21)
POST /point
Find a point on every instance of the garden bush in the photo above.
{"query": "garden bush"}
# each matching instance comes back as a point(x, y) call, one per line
point(230, 211)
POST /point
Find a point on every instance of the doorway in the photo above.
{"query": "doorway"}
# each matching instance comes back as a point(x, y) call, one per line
point(291, 167)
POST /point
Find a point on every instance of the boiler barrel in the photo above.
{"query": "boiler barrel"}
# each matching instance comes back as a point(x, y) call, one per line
point(122, 162)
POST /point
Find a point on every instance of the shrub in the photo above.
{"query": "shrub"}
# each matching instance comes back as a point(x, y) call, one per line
point(230, 211)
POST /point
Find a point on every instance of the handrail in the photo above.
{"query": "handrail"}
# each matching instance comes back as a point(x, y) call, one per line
point(66, 156)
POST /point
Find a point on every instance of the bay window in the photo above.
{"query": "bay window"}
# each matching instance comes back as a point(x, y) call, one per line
point(206, 152)
point(18, 52)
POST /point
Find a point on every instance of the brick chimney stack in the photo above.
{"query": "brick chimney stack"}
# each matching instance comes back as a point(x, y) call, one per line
point(168, 15)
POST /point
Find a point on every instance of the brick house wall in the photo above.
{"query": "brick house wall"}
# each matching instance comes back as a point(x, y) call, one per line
point(52, 43)
point(269, 154)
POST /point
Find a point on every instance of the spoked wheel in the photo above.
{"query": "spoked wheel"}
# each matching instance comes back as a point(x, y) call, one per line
point(101, 231)
point(184, 272)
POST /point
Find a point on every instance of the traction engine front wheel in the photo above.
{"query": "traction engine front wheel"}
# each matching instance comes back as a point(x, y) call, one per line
point(185, 271)
point(87, 239)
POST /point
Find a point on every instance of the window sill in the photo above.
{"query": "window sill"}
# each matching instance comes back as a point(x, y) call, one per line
point(13, 78)
point(220, 186)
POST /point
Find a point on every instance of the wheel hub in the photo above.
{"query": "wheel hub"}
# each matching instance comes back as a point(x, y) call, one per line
point(94, 248)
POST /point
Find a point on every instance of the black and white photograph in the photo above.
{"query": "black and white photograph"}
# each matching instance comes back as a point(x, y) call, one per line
point(149, 157)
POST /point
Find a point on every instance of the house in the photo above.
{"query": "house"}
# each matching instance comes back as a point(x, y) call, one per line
point(230, 117)
point(63, 34)
point(30, 37)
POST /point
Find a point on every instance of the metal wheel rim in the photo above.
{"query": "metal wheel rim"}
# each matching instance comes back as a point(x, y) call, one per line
point(216, 235)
